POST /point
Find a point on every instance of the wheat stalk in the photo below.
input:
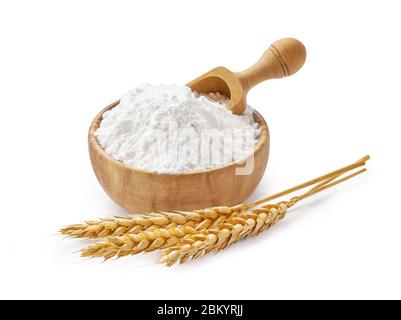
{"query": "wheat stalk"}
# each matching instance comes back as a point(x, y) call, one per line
point(188, 235)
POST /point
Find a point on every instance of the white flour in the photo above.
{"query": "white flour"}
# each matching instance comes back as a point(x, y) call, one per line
point(171, 129)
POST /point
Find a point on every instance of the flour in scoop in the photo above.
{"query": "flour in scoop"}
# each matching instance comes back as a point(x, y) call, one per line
point(171, 129)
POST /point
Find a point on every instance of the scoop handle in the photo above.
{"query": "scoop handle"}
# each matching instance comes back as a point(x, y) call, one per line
point(282, 59)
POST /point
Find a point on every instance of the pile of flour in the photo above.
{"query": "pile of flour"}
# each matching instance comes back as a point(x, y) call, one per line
point(171, 129)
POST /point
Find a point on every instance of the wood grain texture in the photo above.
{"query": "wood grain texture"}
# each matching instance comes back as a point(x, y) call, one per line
point(283, 58)
point(140, 191)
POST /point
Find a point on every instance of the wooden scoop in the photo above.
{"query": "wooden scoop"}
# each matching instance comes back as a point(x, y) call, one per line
point(283, 58)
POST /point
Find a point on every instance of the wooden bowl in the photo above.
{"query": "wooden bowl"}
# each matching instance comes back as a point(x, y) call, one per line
point(140, 191)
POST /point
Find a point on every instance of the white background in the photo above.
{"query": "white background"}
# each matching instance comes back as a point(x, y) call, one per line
point(63, 61)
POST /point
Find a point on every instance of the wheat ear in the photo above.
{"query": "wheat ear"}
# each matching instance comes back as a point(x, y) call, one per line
point(136, 223)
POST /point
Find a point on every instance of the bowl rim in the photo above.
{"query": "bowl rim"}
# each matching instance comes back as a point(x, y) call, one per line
point(264, 138)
